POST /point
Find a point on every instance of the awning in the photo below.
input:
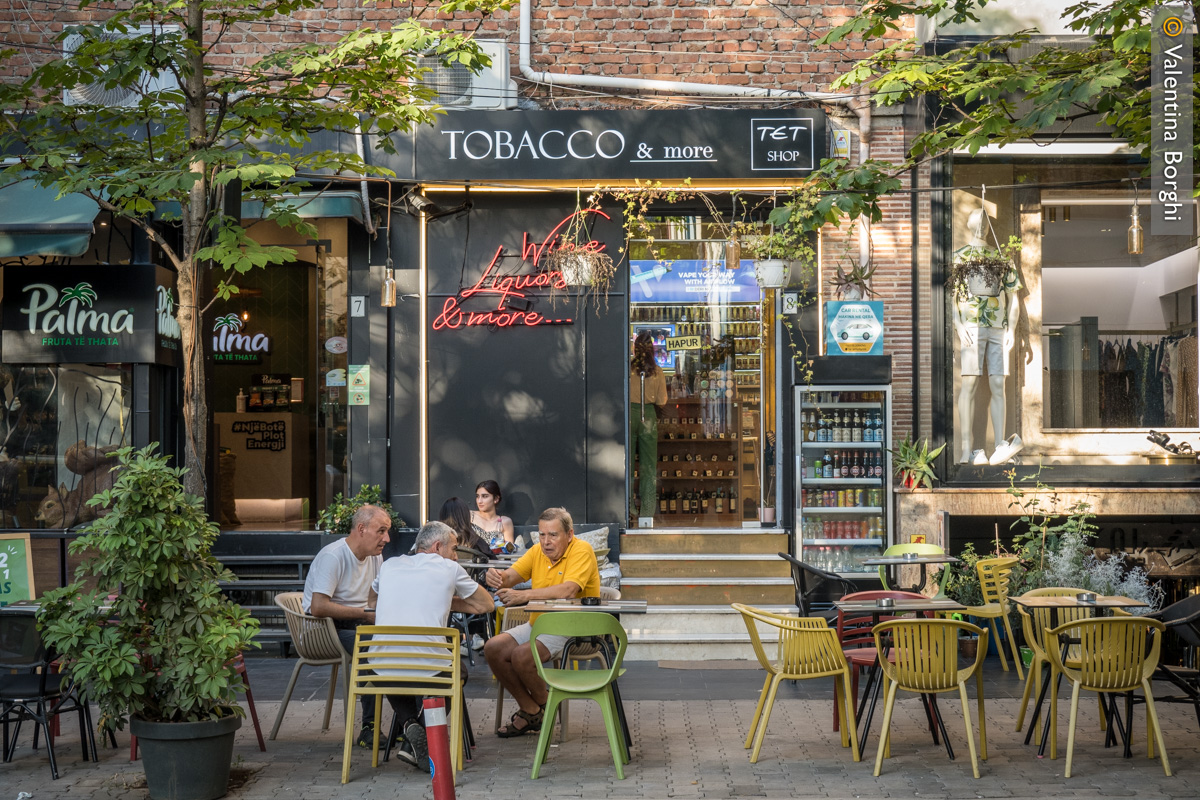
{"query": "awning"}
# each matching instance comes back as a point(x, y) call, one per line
point(35, 222)
point(307, 205)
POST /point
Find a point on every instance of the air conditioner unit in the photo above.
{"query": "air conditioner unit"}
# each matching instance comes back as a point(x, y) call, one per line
point(95, 94)
point(458, 87)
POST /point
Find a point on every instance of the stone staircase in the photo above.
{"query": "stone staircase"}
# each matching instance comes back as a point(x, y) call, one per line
point(689, 577)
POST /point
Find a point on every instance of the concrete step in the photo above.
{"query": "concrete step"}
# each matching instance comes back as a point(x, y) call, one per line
point(703, 565)
point(709, 591)
point(701, 540)
point(692, 633)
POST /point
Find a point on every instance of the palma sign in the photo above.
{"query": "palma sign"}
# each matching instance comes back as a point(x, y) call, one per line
point(231, 346)
point(105, 314)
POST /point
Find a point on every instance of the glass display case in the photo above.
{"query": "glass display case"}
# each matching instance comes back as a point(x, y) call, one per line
point(843, 476)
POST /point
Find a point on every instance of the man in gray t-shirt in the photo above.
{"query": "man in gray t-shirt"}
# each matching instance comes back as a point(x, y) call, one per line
point(339, 584)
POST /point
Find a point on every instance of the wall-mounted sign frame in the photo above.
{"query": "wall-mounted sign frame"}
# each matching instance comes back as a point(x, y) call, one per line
point(16, 569)
point(854, 328)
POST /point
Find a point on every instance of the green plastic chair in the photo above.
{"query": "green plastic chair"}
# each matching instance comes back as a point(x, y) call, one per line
point(570, 684)
point(920, 549)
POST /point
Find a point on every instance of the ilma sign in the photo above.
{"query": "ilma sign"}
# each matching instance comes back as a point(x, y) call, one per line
point(120, 314)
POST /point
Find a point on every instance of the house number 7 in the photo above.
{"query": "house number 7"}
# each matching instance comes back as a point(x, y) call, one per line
point(358, 305)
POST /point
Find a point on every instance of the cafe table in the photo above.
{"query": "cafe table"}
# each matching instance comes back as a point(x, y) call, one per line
point(1102, 604)
point(892, 565)
point(614, 607)
point(900, 605)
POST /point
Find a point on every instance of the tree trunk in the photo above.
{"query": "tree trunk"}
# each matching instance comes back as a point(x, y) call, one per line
point(195, 400)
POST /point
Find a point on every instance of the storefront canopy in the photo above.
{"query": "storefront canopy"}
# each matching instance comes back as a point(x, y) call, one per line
point(307, 205)
point(36, 222)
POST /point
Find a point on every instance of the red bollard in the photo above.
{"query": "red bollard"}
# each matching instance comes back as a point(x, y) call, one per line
point(438, 740)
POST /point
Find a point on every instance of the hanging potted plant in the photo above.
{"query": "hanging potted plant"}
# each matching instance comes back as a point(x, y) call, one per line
point(853, 285)
point(981, 271)
point(580, 259)
point(155, 640)
point(913, 463)
point(781, 249)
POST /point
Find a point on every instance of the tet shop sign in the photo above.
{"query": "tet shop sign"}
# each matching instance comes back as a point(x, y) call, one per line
point(613, 145)
point(90, 314)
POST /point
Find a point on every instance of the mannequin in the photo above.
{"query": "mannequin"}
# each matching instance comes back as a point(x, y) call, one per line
point(986, 328)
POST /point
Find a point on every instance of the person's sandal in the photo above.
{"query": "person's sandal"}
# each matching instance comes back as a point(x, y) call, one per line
point(533, 724)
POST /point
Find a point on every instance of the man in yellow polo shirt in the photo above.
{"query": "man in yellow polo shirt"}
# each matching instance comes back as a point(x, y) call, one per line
point(561, 568)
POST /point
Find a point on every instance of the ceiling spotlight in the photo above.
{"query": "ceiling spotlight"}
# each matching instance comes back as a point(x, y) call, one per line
point(1066, 213)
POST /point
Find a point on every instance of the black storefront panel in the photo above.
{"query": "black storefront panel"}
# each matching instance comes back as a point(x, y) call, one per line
point(522, 390)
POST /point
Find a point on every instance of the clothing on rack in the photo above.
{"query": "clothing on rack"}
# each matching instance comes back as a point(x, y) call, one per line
point(1148, 383)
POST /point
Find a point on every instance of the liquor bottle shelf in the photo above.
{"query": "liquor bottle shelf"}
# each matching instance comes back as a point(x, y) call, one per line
point(839, 542)
point(816, 511)
point(843, 481)
point(819, 406)
point(842, 445)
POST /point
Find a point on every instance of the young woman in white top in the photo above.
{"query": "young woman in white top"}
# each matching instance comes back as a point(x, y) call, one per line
point(493, 528)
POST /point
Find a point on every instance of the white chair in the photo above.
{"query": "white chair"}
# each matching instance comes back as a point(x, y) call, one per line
point(317, 645)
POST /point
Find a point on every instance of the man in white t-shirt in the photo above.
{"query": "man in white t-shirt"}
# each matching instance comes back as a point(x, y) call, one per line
point(339, 586)
point(420, 591)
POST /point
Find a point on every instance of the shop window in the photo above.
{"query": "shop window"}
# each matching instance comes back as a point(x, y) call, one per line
point(1085, 347)
point(707, 461)
point(59, 426)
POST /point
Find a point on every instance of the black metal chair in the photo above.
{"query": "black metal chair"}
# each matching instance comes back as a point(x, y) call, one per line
point(35, 693)
point(808, 580)
point(1183, 620)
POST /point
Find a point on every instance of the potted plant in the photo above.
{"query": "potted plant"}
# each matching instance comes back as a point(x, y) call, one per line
point(853, 285)
point(913, 462)
point(337, 515)
point(156, 639)
point(980, 271)
point(968, 643)
point(781, 247)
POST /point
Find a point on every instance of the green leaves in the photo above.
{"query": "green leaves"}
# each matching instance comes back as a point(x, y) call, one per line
point(913, 462)
point(161, 647)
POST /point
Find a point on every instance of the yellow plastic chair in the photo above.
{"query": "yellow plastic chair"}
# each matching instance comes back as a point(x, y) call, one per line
point(1034, 622)
point(807, 648)
point(921, 549)
point(924, 660)
point(379, 649)
point(591, 684)
point(1113, 658)
point(993, 580)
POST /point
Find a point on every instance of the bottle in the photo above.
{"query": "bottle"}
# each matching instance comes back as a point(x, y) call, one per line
point(878, 468)
point(837, 464)
point(855, 466)
point(662, 502)
point(856, 428)
point(674, 503)
point(822, 429)
point(845, 465)
point(828, 467)
point(241, 402)
point(720, 502)
point(704, 502)
point(733, 498)
point(817, 470)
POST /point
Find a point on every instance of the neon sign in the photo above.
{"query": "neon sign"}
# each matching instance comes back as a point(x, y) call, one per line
point(510, 288)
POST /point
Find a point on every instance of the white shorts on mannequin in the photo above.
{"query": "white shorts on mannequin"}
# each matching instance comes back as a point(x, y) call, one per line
point(988, 349)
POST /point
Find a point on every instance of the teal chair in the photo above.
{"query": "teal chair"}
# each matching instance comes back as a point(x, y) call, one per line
point(920, 549)
point(571, 684)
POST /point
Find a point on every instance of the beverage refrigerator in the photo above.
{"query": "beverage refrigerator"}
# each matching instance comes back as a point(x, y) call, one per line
point(843, 476)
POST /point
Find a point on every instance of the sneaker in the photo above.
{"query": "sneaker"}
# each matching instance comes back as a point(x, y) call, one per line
point(1006, 450)
point(979, 458)
point(477, 642)
point(366, 737)
point(404, 752)
point(415, 741)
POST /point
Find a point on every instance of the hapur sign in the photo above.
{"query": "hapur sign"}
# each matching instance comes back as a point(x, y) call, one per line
point(90, 314)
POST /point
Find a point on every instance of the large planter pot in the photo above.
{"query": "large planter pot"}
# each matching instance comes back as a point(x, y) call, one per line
point(578, 268)
point(771, 272)
point(186, 760)
point(850, 293)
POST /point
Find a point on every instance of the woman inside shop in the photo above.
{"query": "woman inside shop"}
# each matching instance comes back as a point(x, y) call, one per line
point(647, 392)
point(493, 528)
point(457, 514)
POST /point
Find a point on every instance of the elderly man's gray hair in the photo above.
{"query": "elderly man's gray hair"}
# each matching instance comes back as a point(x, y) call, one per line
point(366, 515)
point(432, 533)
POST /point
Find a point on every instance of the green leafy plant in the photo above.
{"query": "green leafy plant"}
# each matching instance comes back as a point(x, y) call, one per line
point(858, 277)
point(987, 265)
point(336, 517)
point(963, 583)
point(161, 647)
point(913, 462)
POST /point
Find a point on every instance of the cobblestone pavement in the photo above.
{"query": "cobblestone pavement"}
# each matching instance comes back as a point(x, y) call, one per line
point(682, 748)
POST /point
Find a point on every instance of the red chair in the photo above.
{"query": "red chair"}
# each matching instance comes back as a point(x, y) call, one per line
point(858, 640)
point(239, 666)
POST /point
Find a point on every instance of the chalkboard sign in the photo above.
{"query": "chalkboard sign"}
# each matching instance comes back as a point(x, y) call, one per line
point(16, 568)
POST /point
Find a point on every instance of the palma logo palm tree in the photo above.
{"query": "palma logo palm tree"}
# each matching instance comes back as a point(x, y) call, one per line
point(230, 322)
point(81, 292)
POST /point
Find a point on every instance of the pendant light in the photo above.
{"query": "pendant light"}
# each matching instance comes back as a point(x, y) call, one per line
point(387, 297)
point(1136, 236)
